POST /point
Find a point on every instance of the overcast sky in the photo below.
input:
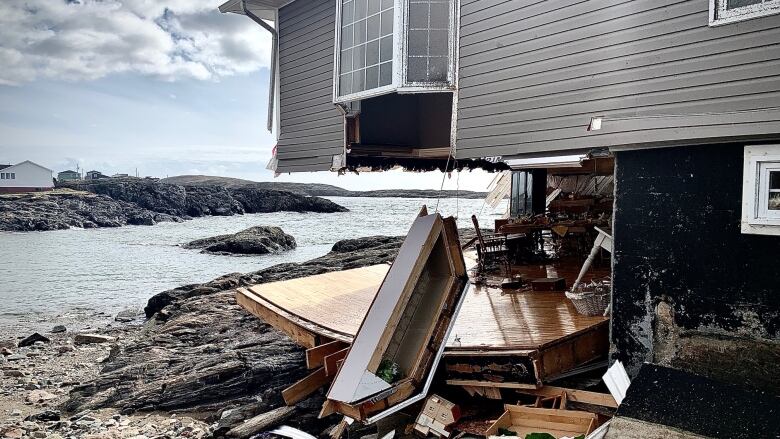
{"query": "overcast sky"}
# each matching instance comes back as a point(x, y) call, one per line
point(167, 87)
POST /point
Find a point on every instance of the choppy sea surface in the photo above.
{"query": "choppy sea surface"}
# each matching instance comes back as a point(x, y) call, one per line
point(81, 277)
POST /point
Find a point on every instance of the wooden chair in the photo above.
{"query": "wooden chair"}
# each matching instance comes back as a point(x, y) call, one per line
point(491, 248)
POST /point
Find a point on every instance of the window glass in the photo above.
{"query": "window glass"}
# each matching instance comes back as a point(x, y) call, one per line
point(428, 40)
point(774, 190)
point(731, 4)
point(366, 41)
point(2, 176)
point(13, 176)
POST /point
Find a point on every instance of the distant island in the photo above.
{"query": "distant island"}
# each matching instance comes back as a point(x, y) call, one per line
point(318, 189)
point(120, 201)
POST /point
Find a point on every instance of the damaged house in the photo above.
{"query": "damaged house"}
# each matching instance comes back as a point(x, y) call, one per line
point(660, 119)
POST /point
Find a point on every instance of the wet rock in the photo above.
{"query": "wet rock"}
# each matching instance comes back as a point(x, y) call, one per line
point(82, 339)
point(257, 240)
point(35, 337)
point(58, 329)
point(127, 315)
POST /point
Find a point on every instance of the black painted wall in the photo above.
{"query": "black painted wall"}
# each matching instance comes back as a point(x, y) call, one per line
point(690, 290)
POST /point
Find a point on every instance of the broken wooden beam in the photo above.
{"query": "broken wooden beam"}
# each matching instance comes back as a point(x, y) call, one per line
point(261, 422)
point(502, 385)
point(574, 395)
point(305, 387)
point(333, 361)
point(315, 357)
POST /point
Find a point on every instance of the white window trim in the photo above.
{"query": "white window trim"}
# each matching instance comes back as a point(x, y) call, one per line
point(719, 15)
point(399, 83)
point(756, 217)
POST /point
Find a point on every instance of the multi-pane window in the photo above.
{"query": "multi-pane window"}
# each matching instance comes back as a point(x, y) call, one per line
point(761, 192)
point(729, 11)
point(366, 45)
point(428, 40)
point(387, 45)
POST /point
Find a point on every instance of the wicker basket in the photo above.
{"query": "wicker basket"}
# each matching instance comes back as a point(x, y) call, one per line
point(592, 299)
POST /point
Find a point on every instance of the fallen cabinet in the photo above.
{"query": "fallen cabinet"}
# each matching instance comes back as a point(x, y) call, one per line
point(398, 345)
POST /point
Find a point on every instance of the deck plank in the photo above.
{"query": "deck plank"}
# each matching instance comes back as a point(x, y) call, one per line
point(491, 319)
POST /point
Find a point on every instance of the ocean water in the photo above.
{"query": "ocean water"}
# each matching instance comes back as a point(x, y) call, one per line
point(82, 277)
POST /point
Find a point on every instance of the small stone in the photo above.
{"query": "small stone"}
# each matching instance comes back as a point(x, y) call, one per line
point(16, 412)
point(58, 329)
point(39, 396)
point(5, 351)
point(16, 373)
point(16, 357)
point(126, 316)
point(30, 426)
point(40, 435)
point(14, 433)
point(29, 341)
point(64, 349)
point(80, 415)
point(82, 339)
point(31, 386)
point(44, 416)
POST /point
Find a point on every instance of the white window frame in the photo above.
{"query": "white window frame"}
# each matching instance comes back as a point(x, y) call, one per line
point(719, 15)
point(756, 216)
point(399, 83)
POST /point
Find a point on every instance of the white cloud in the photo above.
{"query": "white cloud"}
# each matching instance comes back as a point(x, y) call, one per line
point(89, 39)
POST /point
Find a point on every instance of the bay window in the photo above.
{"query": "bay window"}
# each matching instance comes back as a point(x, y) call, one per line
point(386, 46)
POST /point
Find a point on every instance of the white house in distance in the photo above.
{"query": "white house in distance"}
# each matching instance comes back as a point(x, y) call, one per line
point(25, 177)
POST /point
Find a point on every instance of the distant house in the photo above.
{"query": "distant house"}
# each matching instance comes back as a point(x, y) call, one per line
point(25, 177)
point(68, 176)
point(119, 175)
point(94, 175)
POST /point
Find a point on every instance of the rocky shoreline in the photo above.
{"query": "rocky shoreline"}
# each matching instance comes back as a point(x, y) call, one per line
point(135, 201)
point(198, 367)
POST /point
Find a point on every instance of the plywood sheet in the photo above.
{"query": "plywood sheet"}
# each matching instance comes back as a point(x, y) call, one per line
point(336, 301)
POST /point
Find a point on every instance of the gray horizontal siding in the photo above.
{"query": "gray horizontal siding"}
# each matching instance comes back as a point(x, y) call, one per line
point(311, 129)
point(532, 74)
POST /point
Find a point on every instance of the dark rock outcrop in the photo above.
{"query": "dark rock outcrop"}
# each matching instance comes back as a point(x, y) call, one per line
point(203, 200)
point(201, 352)
point(136, 201)
point(147, 193)
point(65, 209)
point(258, 240)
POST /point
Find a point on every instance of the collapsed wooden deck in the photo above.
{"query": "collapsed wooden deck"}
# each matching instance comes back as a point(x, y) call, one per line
point(502, 338)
